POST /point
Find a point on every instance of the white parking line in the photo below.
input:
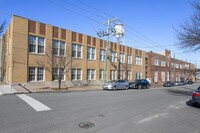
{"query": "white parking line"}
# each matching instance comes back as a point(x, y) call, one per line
point(38, 106)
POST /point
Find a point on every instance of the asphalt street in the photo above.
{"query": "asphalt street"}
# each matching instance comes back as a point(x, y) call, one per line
point(157, 110)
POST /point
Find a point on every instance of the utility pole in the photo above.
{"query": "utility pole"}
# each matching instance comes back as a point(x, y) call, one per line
point(107, 34)
point(173, 68)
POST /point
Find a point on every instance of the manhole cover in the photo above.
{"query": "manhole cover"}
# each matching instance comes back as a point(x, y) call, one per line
point(86, 125)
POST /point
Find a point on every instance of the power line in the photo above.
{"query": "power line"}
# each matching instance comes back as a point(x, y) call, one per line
point(74, 11)
point(95, 8)
point(83, 9)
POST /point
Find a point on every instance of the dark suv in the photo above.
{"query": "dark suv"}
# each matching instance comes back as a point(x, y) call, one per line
point(139, 84)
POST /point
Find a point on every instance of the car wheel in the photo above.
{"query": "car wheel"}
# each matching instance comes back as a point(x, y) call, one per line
point(114, 88)
point(194, 104)
point(126, 87)
point(147, 86)
point(139, 86)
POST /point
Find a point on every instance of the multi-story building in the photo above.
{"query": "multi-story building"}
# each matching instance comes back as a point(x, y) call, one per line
point(29, 44)
point(162, 67)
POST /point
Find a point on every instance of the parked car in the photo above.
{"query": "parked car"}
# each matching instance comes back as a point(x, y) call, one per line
point(116, 84)
point(196, 97)
point(178, 83)
point(168, 84)
point(190, 82)
point(184, 82)
point(139, 84)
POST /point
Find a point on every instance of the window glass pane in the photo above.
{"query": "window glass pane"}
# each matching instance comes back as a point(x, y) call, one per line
point(31, 73)
point(55, 44)
point(40, 49)
point(32, 40)
point(40, 74)
point(40, 41)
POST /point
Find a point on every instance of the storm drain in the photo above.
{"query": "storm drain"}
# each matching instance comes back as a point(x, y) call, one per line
point(86, 125)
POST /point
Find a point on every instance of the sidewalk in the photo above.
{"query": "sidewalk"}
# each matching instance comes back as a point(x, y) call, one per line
point(6, 89)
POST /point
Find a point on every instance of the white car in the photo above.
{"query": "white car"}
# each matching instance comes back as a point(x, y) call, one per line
point(116, 84)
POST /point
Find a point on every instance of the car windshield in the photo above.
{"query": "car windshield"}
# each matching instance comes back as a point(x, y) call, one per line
point(112, 81)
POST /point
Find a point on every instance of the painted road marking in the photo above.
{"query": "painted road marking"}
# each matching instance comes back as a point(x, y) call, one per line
point(38, 106)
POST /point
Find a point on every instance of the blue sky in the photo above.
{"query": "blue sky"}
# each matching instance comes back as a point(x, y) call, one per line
point(150, 22)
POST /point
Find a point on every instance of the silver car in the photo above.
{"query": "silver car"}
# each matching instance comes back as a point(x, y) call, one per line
point(116, 84)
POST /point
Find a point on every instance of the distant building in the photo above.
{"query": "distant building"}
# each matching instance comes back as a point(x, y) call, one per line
point(162, 67)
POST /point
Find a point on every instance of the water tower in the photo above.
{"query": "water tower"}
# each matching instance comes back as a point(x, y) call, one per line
point(119, 33)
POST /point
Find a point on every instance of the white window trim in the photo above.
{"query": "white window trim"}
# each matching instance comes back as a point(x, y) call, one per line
point(129, 59)
point(90, 55)
point(104, 55)
point(36, 74)
point(76, 50)
point(138, 60)
point(58, 75)
point(59, 47)
point(90, 74)
point(36, 45)
point(77, 74)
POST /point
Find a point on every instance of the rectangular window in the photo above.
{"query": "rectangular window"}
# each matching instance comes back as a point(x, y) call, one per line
point(138, 75)
point(40, 74)
point(122, 75)
point(163, 63)
point(181, 66)
point(112, 75)
point(101, 73)
point(91, 53)
point(156, 62)
point(122, 59)
point(163, 76)
point(76, 51)
point(76, 74)
point(90, 74)
point(36, 44)
point(138, 60)
point(113, 56)
point(55, 73)
point(156, 76)
point(32, 73)
point(176, 65)
point(129, 75)
point(129, 58)
point(102, 55)
point(36, 74)
point(58, 48)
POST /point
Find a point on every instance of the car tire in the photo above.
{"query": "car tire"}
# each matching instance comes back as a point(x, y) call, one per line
point(114, 88)
point(147, 86)
point(126, 87)
point(139, 87)
point(194, 104)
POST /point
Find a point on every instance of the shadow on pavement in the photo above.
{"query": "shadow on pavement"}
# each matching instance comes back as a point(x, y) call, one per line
point(189, 103)
point(180, 92)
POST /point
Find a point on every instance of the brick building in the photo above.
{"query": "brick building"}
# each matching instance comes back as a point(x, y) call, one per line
point(27, 42)
point(162, 67)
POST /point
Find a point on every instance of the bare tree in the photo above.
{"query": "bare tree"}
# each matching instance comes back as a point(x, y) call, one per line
point(2, 26)
point(189, 33)
point(57, 65)
point(3, 50)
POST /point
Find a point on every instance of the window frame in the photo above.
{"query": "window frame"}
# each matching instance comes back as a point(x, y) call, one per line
point(91, 53)
point(77, 51)
point(36, 74)
point(36, 44)
point(76, 73)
